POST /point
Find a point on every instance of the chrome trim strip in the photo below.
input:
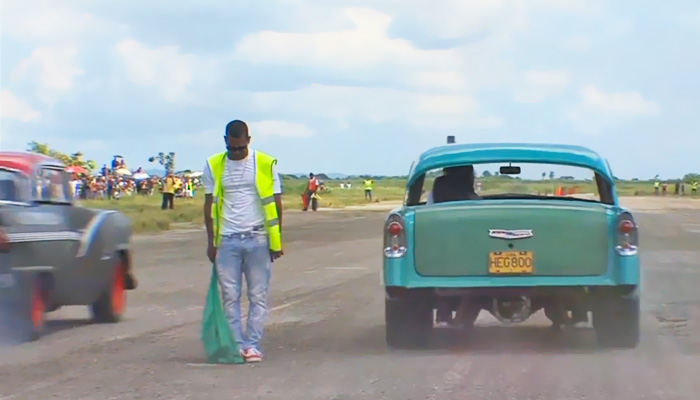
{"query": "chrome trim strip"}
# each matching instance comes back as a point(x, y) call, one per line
point(34, 268)
point(15, 203)
point(510, 234)
point(25, 237)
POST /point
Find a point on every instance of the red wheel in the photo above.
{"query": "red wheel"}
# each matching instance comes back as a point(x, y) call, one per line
point(38, 306)
point(111, 305)
point(119, 289)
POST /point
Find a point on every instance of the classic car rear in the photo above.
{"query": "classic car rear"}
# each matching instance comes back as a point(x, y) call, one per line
point(55, 253)
point(537, 237)
point(511, 250)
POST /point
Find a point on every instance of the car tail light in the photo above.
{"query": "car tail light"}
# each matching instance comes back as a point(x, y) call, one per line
point(4, 242)
point(394, 237)
point(627, 235)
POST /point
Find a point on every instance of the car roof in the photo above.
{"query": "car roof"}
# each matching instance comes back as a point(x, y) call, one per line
point(25, 162)
point(481, 153)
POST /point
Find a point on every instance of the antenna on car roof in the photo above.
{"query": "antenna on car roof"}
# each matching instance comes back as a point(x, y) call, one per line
point(450, 140)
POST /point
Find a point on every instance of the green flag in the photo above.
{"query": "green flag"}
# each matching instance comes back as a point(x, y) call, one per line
point(219, 343)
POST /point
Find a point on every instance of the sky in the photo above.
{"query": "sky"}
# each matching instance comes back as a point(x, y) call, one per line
point(353, 86)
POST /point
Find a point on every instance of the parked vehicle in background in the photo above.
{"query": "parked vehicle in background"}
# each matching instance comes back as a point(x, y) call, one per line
point(507, 250)
point(54, 253)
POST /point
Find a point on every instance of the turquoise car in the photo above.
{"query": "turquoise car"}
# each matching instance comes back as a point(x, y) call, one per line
point(515, 247)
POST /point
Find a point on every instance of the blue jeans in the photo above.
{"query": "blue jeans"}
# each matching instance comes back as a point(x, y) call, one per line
point(246, 255)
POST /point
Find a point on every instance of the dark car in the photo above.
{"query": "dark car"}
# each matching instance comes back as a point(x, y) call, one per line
point(54, 253)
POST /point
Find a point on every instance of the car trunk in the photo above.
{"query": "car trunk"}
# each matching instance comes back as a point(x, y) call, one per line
point(567, 239)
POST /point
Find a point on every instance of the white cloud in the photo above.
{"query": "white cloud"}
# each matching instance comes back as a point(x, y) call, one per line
point(165, 68)
point(362, 48)
point(580, 7)
point(341, 104)
point(622, 104)
point(55, 67)
point(451, 19)
point(366, 53)
point(51, 23)
point(598, 109)
point(280, 128)
point(577, 43)
point(12, 107)
point(536, 86)
point(691, 20)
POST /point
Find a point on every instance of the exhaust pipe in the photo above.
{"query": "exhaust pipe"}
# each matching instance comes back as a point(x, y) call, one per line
point(511, 310)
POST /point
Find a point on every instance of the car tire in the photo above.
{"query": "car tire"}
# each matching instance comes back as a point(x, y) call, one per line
point(111, 305)
point(27, 315)
point(617, 322)
point(408, 322)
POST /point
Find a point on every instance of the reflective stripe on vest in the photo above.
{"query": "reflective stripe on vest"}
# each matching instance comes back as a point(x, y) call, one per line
point(264, 181)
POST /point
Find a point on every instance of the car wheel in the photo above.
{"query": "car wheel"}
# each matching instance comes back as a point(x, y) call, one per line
point(111, 305)
point(409, 322)
point(28, 316)
point(617, 322)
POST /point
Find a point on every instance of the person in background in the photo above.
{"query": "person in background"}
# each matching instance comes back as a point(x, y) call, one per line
point(169, 192)
point(311, 189)
point(369, 183)
point(243, 219)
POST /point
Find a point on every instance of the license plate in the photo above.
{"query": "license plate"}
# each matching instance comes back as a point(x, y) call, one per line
point(511, 262)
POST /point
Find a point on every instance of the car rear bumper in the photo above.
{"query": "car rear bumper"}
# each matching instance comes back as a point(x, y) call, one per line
point(625, 270)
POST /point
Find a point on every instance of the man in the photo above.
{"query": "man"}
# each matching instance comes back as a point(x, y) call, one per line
point(368, 188)
point(243, 218)
point(455, 184)
point(168, 192)
point(311, 188)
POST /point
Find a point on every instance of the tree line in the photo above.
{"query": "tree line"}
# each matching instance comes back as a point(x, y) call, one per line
point(167, 160)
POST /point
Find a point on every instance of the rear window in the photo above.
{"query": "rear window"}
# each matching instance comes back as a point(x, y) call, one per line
point(10, 186)
point(503, 181)
point(52, 185)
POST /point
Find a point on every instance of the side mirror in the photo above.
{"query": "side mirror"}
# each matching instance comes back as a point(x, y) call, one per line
point(509, 170)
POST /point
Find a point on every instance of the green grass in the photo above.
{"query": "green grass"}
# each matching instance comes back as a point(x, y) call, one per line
point(146, 215)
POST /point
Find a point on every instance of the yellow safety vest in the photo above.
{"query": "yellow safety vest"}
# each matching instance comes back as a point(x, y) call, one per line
point(368, 184)
point(264, 181)
point(694, 186)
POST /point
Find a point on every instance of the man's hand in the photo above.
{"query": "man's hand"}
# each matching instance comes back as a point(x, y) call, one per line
point(275, 255)
point(211, 252)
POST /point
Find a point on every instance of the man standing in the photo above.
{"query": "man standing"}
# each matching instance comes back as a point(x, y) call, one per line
point(368, 188)
point(168, 192)
point(310, 192)
point(243, 218)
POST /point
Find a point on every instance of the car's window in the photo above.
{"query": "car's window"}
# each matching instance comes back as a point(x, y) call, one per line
point(52, 185)
point(534, 180)
point(10, 186)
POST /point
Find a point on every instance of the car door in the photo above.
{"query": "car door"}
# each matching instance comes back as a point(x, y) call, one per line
point(57, 240)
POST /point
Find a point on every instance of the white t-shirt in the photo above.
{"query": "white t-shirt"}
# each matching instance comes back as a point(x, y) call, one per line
point(242, 210)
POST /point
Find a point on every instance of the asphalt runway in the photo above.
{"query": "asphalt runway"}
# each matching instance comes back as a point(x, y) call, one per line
point(325, 337)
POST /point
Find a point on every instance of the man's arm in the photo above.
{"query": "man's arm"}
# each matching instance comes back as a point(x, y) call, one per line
point(208, 183)
point(278, 203)
point(208, 222)
point(277, 186)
